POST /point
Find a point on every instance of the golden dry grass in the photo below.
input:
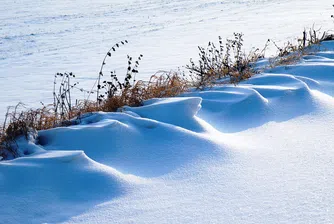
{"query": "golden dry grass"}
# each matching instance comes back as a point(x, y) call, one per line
point(162, 84)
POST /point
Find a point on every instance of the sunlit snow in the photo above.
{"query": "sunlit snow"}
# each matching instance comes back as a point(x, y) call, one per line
point(258, 152)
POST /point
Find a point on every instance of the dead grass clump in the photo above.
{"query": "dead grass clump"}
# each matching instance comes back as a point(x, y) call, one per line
point(291, 59)
point(291, 53)
point(224, 61)
point(62, 101)
point(22, 122)
point(128, 97)
point(314, 37)
point(328, 37)
point(16, 124)
point(164, 84)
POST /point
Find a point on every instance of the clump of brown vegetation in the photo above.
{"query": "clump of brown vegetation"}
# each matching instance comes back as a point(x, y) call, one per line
point(162, 84)
point(22, 123)
point(228, 61)
point(291, 52)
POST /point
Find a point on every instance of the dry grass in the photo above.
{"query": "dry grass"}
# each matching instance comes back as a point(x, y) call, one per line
point(291, 53)
point(224, 61)
point(291, 59)
point(162, 84)
point(20, 122)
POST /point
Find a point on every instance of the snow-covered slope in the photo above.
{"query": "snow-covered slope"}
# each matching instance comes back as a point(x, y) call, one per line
point(259, 152)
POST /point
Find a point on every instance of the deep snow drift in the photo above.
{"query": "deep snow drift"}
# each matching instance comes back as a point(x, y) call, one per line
point(259, 152)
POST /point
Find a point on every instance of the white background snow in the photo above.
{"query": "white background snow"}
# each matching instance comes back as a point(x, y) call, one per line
point(261, 152)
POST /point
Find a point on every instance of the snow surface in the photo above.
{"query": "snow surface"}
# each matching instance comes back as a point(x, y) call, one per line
point(259, 152)
point(37, 40)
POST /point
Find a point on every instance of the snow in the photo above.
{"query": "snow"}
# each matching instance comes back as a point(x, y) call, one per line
point(259, 152)
point(47, 185)
point(160, 110)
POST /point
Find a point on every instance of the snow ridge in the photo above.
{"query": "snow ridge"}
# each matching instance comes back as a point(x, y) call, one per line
point(257, 152)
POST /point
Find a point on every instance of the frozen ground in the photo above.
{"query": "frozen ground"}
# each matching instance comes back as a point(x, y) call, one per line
point(37, 40)
point(261, 152)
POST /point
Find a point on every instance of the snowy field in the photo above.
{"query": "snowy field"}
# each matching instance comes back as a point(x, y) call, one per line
point(37, 40)
point(259, 152)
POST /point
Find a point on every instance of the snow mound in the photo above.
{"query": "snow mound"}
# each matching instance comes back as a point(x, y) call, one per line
point(55, 185)
point(131, 144)
point(280, 94)
point(162, 109)
point(224, 107)
point(320, 73)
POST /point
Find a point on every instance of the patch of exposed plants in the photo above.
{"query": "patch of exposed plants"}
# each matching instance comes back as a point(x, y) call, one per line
point(290, 53)
point(225, 62)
